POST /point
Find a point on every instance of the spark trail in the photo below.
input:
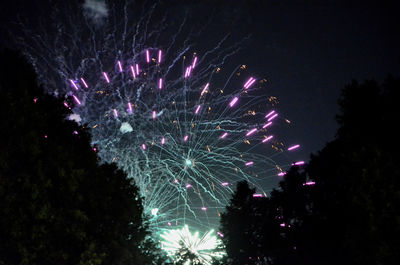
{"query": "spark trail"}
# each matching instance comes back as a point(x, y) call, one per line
point(159, 109)
point(181, 242)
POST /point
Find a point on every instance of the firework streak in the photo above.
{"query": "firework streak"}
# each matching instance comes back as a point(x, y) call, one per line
point(160, 112)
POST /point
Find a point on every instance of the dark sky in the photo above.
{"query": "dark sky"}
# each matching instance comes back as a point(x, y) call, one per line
point(308, 51)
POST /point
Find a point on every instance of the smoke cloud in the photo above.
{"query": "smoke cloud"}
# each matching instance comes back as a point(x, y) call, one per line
point(96, 10)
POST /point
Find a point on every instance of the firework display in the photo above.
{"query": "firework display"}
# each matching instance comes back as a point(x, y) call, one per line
point(182, 243)
point(183, 129)
point(184, 142)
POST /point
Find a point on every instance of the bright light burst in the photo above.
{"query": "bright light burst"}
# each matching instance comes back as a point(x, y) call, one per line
point(185, 143)
point(180, 126)
point(186, 247)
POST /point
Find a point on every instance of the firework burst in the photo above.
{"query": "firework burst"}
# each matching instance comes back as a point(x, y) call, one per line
point(161, 111)
point(190, 248)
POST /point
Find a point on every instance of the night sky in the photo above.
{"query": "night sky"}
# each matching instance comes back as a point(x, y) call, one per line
point(184, 167)
point(308, 51)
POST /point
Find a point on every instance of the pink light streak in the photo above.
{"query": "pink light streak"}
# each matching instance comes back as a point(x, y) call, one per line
point(147, 56)
point(185, 138)
point(163, 141)
point(249, 163)
point(120, 66)
point(203, 208)
point(233, 102)
point(224, 135)
point(76, 100)
point(197, 109)
point(293, 147)
point(84, 83)
point(224, 184)
point(160, 83)
point(188, 186)
point(309, 183)
point(137, 69)
point(273, 117)
point(249, 83)
point(188, 71)
point(267, 125)
point(251, 132)
point(159, 56)
point(129, 107)
point(269, 114)
point(66, 105)
point(204, 89)
point(220, 234)
point(133, 72)
point(73, 84)
point(267, 138)
point(154, 115)
point(194, 62)
point(115, 113)
point(281, 174)
point(106, 77)
point(143, 146)
point(257, 195)
point(299, 163)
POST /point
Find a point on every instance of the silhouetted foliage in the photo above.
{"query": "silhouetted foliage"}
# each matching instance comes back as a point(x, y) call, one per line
point(185, 256)
point(58, 204)
point(357, 195)
point(351, 215)
point(251, 228)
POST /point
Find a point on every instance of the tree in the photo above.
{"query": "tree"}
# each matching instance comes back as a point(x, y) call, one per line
point(184, 256)
point(252, 229)
point(349, 213)
point(58, 204)
point(358, 190)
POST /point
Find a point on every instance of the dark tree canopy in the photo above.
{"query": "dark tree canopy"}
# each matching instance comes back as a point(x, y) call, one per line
point(58, 204)
point(252, 229)
point(357, 194)
point(351, 215)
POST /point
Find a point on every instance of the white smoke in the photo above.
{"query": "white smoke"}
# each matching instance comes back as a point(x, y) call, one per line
point(96, 10)
point(75, 117)
point(125, 127)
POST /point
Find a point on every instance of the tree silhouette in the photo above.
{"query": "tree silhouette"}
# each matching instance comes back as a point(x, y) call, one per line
point(357, 190)
point(252, 229)
point(185, 256)
point(58, 204)
point(343, 207)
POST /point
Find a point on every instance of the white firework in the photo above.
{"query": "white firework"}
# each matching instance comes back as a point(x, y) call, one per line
point(183, 129)
point(188, 247)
